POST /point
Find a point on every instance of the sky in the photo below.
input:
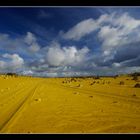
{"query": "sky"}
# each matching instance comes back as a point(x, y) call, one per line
point(69, 41)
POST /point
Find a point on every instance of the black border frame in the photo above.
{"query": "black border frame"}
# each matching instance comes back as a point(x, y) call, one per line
point(75, 3)
point(69, 3)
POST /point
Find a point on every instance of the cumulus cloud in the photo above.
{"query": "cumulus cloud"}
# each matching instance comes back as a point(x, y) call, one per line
point(118, 42)
point(110, 37)
point(120, 30)
point(15, 60)
point(115, 64)
point(114, 29)
point(34, 47)
point(24, 44)
point(12, 62)
point(119, 36)
point(61, 56)
point(81, 29)
point(118, 52)
point(31, 40)
point(27, 72)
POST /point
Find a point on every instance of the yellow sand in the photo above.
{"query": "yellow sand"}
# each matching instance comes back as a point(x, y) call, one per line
point(49, 105)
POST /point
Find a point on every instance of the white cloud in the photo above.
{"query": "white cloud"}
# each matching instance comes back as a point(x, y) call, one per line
point(34, 47)
point(87, 26)
point(119, 29)
point(114, 30)
point(109, 36)
point(31, 40)
point(116, 64)
point(117, 52)
point(14, 62)
point(60, 56)
point(126, 21)
point(81, 29)
point(27, 72)
point(55, 55)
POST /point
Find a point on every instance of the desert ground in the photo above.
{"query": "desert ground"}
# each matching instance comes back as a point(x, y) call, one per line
point(69, 105)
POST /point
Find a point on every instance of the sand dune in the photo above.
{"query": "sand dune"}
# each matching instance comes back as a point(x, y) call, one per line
point(69, 105)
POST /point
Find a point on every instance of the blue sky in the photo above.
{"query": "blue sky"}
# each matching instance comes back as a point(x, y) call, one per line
point(70, 41)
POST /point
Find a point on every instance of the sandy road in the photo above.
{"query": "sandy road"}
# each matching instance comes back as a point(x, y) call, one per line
point(11, 106)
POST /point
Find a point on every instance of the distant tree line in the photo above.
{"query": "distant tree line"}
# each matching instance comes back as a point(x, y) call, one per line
point(135, 74)
point(12, 74)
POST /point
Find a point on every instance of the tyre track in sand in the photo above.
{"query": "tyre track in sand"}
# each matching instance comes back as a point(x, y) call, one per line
point(119, 98)
point(105, 94)
point(18, 107)
point(5, 100)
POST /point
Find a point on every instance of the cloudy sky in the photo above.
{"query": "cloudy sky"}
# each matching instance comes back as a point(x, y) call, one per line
point(70, 41)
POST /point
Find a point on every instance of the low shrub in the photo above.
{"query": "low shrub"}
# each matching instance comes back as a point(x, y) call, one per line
point(137, 85)
point(121, 83)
